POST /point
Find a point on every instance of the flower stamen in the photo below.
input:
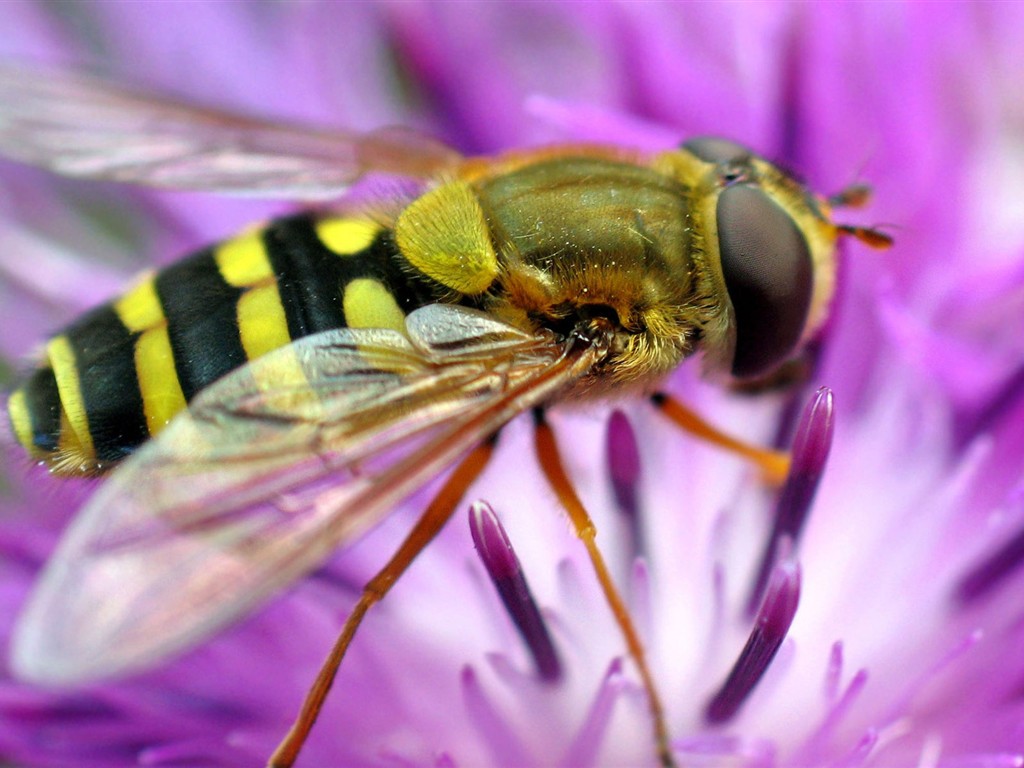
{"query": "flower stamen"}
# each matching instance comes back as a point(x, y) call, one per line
point(770, 628)
point(624, 469)
point(506, 573)
point(811, 447)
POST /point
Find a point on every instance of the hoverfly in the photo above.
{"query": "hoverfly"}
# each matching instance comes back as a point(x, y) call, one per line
point(270, 398)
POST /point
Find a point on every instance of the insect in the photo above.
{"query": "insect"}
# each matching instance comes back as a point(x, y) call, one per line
point(270, 398)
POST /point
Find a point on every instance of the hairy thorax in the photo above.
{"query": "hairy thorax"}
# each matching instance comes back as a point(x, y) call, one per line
point(579, 238)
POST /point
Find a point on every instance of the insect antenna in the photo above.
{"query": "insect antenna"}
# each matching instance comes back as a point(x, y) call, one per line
point(430, 523)
point(554, 470)
point(853, 196)
point(857, 196)
point(867, 235)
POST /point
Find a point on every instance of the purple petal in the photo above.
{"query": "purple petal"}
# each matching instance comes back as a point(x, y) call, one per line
point(496, 731)
point(834, 671)
point(587, 744)
point(992, 571)
point(816, 745)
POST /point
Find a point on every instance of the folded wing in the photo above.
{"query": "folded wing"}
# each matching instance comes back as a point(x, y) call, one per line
point(268, 472)
point(81, 126)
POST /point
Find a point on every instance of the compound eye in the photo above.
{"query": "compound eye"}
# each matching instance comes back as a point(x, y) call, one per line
point(711, 149)
point(768, 273)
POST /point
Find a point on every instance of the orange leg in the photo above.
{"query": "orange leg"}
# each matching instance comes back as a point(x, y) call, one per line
point(774, 465)
point(430, 522)
point(554, 470)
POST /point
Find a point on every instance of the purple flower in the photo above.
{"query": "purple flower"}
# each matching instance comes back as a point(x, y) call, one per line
point(876, 622)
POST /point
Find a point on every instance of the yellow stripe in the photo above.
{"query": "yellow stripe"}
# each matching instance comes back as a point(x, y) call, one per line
point(72, 458)
point(65, 369)
point(243, 261)
point(263, 327)
point(261, 321)
point(161, 392)
point(140, 309)
point(21, 420)
point(368, 304)
point(141, 312)
point(346, 237)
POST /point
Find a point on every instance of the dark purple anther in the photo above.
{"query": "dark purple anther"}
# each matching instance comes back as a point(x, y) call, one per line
point(623, 462)
point(624, 469)
point(495, 550)
point(992, 571)
point(810, 452)
point(770, 627)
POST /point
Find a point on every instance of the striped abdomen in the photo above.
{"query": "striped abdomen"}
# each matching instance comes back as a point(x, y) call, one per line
point(119, 374)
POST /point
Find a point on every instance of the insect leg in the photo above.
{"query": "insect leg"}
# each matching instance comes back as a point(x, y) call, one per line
point(774, 465)
point(430, 523)
point(554, 470)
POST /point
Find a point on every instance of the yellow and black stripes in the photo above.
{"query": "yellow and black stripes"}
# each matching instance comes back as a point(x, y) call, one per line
point(97, 359)
point(119, 374)
point(141, 312)
point(36, 413)
point(201, 310)
point(316, 285)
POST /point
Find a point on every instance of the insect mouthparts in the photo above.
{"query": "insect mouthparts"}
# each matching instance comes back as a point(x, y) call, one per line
point(592, 312)
point(597, 332)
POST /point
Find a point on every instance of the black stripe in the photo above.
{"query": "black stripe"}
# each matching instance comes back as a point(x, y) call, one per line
point(202, 321)
point(43, 403)
point(311, 277)
point(410, 288)
point(105, 357)
point(308, 276)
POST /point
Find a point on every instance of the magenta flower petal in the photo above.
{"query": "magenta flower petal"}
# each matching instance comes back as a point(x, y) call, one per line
point(996, 568)
point(586, 747)
point(503, 743)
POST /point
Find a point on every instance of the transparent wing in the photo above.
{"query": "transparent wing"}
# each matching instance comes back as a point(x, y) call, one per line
point(269, 471)
point(80, 126)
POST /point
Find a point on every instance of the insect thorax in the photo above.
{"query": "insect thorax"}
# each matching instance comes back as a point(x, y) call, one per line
point(557, 242)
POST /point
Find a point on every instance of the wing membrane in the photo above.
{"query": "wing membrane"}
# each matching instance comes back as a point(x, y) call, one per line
point(81, 126)
point(257, 484)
